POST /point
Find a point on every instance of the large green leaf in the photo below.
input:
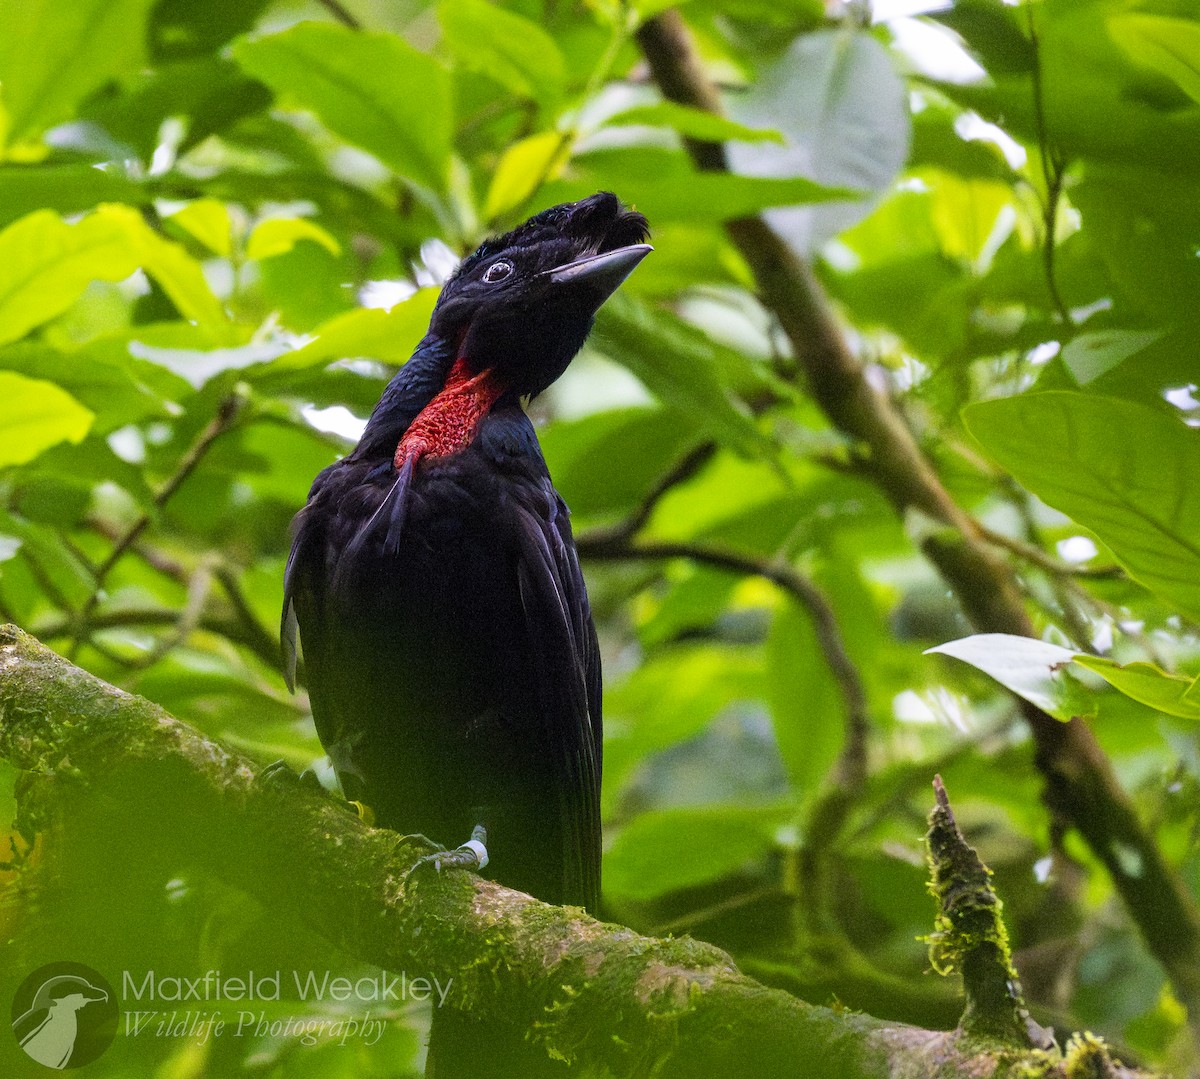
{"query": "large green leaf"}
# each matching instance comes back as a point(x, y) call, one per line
point(1167, 45)
point(666, 850)
point(53, 54)
point(373, 89)
point(682, 366)
point(1149, 685)
point(35, 415)
point(806, 707)
point(1125, 471)
point(505, 46)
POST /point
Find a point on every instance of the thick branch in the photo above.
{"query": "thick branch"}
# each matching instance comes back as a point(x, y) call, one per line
point(1080, 781)
point(597, 993)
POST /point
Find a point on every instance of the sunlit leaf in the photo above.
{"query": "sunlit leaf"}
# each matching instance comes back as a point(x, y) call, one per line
point(1168, 45)
point(278, 235)
point(208, 221)
point(46, 264)
point(665, 850)
point(35, 415)
point(523, 167)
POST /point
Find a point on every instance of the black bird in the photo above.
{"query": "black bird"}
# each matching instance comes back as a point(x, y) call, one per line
point(451, 658)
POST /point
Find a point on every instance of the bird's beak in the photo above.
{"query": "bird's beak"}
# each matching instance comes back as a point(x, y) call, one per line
point(602, 274)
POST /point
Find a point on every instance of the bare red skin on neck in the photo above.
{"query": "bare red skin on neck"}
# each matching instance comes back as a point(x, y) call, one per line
point(450, 421)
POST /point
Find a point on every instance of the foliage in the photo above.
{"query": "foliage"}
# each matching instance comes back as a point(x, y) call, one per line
point(223, 225)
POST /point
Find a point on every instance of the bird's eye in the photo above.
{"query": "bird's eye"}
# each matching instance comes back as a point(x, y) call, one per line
point(497, 271)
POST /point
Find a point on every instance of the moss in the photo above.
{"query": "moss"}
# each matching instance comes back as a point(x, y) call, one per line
point(1087, 1058)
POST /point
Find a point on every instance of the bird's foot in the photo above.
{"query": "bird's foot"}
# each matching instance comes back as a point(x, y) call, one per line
point(471, 855)
point(280, 776)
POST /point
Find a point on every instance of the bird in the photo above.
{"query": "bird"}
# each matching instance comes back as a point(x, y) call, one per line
point(451, 657)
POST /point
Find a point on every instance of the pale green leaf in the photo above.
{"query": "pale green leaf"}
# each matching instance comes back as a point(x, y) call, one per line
point(1091, 355)
point(1124, 470)
point(1032, 669)
point(505, 46)
point(373, 89)
point(53, 54)
point(35, 415)
point(1147, 684)
point(279, 235)
point(807, 709)
point(180, 276)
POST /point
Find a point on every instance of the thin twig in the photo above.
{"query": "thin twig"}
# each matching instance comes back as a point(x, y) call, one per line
point(1052, 175)
point(227, 416)
point(829, 635)
point(1035, 555)
point(342, 14)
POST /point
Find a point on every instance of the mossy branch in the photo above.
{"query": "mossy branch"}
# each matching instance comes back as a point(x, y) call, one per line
point(597, 994)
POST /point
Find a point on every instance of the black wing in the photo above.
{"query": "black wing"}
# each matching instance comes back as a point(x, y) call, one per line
point(559, 623)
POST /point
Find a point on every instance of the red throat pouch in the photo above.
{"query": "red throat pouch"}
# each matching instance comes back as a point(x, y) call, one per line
point(449, 422)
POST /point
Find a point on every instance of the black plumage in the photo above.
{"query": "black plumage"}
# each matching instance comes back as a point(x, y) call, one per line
point(450, 653)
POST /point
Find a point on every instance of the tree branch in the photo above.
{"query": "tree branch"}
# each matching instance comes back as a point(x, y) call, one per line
point(599, 994)
point(1080, 781)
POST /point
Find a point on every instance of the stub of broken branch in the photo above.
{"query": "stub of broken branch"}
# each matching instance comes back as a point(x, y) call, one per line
point(970, 937)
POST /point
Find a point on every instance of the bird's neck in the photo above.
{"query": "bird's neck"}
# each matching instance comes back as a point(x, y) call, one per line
point(450, 421)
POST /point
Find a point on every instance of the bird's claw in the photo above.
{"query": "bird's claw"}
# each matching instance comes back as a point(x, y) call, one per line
point(280, 775)
point(470, 855)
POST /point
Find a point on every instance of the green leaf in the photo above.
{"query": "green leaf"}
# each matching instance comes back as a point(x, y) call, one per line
point(45, 264)
point(505, 46)
point(1167, 45)
point(35, 415)
point(53, 54)
point(674, 194)
point(836, 80)
point(65, 188)
point(1147, 684)
point(1123, 470)
point(279, 235)
point(371, 333)
point(681, 366)
point(373, 89)
point(694, 123)
point(523, 167)
point(1032, 669)
point(670, 849)
point(668, 700)
point(807, 709)
point(1091, 355)
point(207, 220)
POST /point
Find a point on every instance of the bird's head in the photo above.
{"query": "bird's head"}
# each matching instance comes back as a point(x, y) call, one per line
point(522, 304)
